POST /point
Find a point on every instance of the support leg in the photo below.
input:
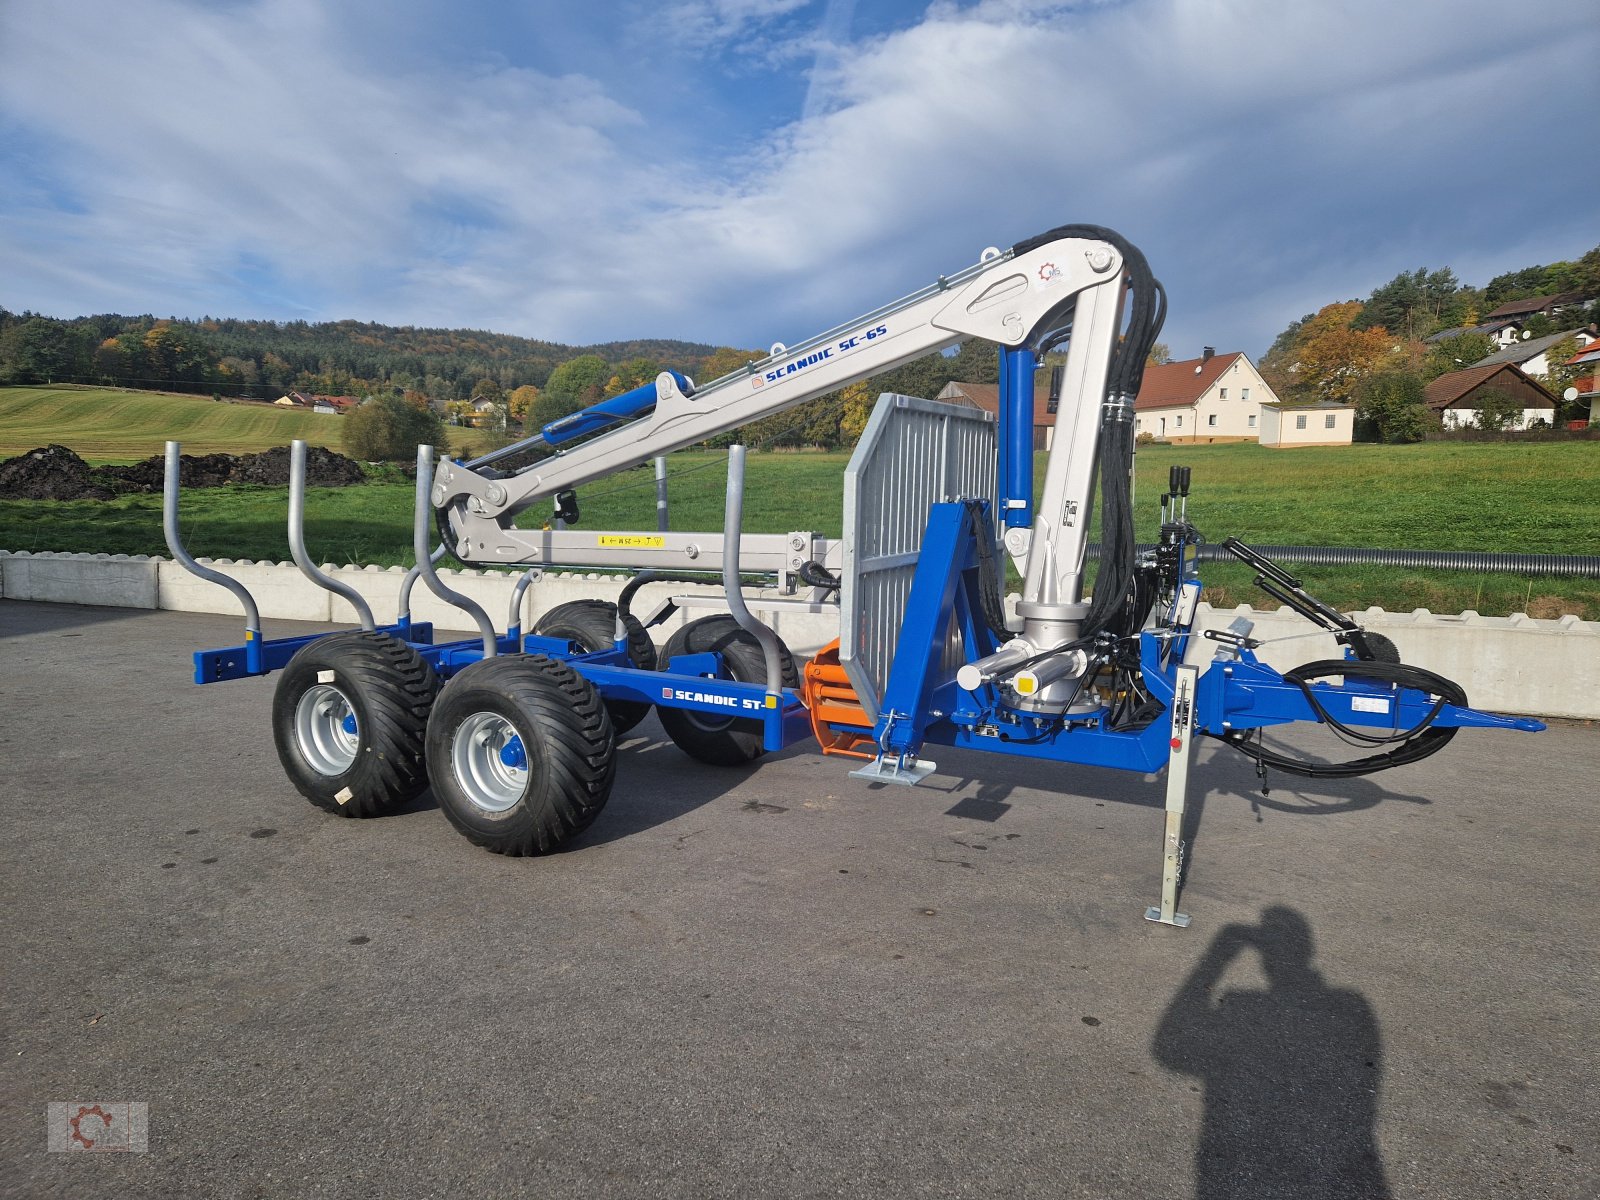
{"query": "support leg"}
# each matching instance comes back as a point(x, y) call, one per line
point(1183, 723)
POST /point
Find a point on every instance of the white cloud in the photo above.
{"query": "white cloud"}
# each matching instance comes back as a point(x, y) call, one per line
point(710, 22)
point(1268, 157)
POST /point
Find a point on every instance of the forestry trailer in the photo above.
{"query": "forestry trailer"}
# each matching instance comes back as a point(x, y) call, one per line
point(516, 732)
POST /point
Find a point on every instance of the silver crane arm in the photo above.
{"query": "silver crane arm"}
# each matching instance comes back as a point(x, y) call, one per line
point(1011, 297)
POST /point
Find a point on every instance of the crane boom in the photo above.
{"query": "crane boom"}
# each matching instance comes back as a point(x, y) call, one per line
point(1012, 298)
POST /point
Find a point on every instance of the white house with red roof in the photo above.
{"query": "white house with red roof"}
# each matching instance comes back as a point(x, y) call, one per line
point(1213, 398)
point(1587, 387)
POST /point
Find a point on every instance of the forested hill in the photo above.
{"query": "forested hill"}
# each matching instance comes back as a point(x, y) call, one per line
point(262, 359)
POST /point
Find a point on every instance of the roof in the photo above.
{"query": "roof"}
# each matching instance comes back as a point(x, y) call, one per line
point(1451, 388)
point(1180, 384)
point(1485, 327)
point(1590, 353)
point(987, 397)
point(1533, 304)
point(1521, 352)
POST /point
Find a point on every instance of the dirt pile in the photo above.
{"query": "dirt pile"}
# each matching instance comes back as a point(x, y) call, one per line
point(324, 468)
point(56, 473)
point(50, 473)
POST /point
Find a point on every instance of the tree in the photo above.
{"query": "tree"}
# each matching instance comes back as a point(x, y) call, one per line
point(1454, 354)
point(487, 389)
point(634, 372)
point(1413, 304)
point(576, 383)
point(1323, 356)
point(858, 400)
point(1498, 410)
point(1392, 402)
point(521, 400)
point(1160, 355)
point(725, 360)
point(458, 412)
point(388, 429)
point(33, 351)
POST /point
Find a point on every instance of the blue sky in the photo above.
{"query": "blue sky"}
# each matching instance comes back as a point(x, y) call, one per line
point(749, 171)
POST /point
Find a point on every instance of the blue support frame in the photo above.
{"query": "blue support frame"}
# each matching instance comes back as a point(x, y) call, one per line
point(691, 682)
point(922, 705)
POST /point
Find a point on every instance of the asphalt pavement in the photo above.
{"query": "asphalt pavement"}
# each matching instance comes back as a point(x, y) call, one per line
point(779, 981)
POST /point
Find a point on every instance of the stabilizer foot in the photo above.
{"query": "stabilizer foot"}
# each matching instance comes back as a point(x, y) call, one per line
point(893, 769)
point(1153, 913)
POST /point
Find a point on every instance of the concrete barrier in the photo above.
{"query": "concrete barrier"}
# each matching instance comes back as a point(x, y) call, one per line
point(113, 580)
point(1513, 664)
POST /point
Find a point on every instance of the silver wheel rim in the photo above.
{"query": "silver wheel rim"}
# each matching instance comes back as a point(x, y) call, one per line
point(490, 762)
point(326, 730)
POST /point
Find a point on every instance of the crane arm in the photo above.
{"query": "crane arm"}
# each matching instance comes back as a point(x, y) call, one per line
point(1012, 298)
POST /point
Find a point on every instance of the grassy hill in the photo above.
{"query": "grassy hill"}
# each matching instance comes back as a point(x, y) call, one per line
point(1518, 497)
point(111, 425)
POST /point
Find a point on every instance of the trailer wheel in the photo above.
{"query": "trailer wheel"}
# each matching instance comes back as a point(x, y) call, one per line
point(349, 717)
point(592, 624)
point(721, 741)
point(521, 753)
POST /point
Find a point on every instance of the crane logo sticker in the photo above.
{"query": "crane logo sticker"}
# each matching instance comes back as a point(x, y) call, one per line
point(825, 354)
point(1048, 273)
point(99, 1126)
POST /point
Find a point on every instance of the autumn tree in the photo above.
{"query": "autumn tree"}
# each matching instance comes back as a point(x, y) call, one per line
point(1323, 357)
point(521, 400)
point(858, 401)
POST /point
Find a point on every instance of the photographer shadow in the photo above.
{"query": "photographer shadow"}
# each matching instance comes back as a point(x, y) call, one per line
point(1290, 1073)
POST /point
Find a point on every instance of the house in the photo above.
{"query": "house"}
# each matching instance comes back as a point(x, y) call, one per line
point(1288, 424)
point(1458, 396)
point(1586, 387)
point(1547, 306)
point(295, 400)
point(1504, 332)
point(486, 413)
point(1530, 354)
point(334, 405)
point(1213, 398)
point(987, 397)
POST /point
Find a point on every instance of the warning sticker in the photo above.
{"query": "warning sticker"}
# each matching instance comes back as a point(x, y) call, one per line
point(631, 541)
point(1371, 704)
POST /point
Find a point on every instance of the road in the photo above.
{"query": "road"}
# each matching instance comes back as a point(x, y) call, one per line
point(779, 981)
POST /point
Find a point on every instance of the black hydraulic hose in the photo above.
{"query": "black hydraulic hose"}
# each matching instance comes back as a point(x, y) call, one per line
point(1562, 566)
point(1410, 745)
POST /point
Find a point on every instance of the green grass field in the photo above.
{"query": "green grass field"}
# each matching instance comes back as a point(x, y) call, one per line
point(1539, 498)
point(110, 425)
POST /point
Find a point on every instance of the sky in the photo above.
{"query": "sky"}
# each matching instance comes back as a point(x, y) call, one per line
point(741, 172)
